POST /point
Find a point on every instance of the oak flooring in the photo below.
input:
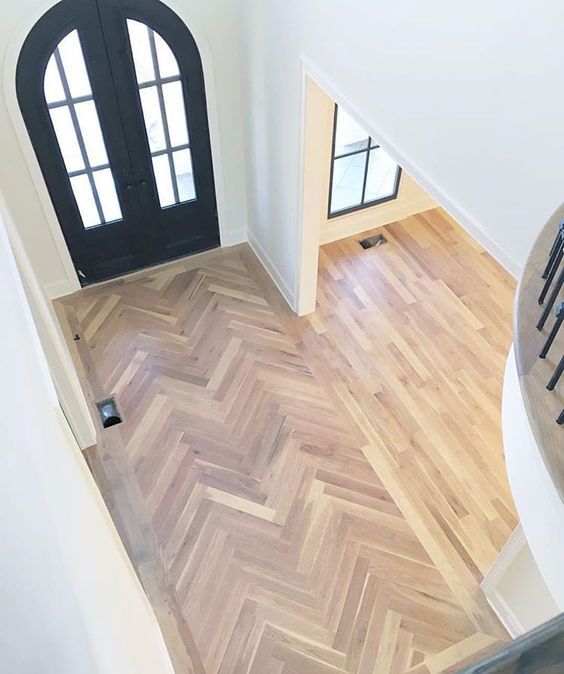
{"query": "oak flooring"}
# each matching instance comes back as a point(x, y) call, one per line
point(313, 495)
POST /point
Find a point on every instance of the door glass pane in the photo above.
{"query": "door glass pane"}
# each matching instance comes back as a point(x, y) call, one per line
point(141, 48)
point(175, 113)
point(74, 66)
point(92, 133)
point(348, 179)
point(349, 136)
point(153, 118)
point(106, 187)
point(161, 168)
point(53, 86)
point(68, 140)
point(184, 175)
point(85, 200)
point(77, 128)
point(168, 67)
point(381, 177)
point(164, 113)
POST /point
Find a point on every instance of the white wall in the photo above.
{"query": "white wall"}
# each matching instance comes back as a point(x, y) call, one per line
point(467, 97)
point(215, 25)
point(70, 602)
point(274, 101)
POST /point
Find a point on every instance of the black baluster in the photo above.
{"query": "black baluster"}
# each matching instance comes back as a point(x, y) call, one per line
point(554, 331)
point(553, 250)
point(551, 300)
point(553, 267)
point(556, 375)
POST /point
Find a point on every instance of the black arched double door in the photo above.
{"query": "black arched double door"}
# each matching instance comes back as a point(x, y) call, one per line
point(112, 94)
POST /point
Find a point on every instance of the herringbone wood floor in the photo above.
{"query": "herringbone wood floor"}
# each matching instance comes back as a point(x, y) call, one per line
point(324, 493)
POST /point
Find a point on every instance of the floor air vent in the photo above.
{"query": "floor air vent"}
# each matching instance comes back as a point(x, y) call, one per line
point(109, 413)
point(372, 241)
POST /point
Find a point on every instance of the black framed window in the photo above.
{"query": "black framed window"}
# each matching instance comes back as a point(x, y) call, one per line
point(362, 173)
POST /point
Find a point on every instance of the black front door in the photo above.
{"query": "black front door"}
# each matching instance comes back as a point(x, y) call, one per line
point(112, 93)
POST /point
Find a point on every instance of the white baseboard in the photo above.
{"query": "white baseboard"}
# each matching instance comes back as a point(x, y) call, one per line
point(487, 243)
point(60, 288)
point(489, 585)
point(505, 614)
point(516, 590)
point(272, 270)
point(81, 425)
point(232, 238)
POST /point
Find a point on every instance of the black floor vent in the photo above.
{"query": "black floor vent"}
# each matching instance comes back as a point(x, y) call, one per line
point(109, 413)
point(372, 241)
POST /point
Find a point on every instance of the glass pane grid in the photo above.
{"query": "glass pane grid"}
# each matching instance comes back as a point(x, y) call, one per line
point(362, 173)
point(164, 112)
point(77, 127)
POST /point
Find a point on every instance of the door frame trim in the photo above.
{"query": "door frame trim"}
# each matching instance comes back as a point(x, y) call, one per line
point(71, 283)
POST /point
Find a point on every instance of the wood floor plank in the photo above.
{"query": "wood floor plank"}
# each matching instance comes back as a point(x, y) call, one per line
point(323, 493)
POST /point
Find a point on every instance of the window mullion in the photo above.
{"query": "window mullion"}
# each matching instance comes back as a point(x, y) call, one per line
point(159, 80)
point(78, 99)
point(158, 153)
point(351, 153)
point(365, 174)
point(81, 172)
point(79, 136)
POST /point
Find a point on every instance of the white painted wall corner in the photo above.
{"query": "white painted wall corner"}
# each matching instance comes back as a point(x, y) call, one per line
point(287, 293)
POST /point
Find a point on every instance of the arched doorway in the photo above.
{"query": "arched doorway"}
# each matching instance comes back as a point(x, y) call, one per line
point(112, 94)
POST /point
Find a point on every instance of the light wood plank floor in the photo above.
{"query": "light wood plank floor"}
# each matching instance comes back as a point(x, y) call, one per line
point(309, 495)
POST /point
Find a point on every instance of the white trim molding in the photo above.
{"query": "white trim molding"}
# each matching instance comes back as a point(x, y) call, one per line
point(233, 237)
point(515, 589)
point(489, 585)
point(60, 289)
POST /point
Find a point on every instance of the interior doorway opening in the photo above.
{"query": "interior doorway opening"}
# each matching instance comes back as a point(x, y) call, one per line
point(350, 185)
